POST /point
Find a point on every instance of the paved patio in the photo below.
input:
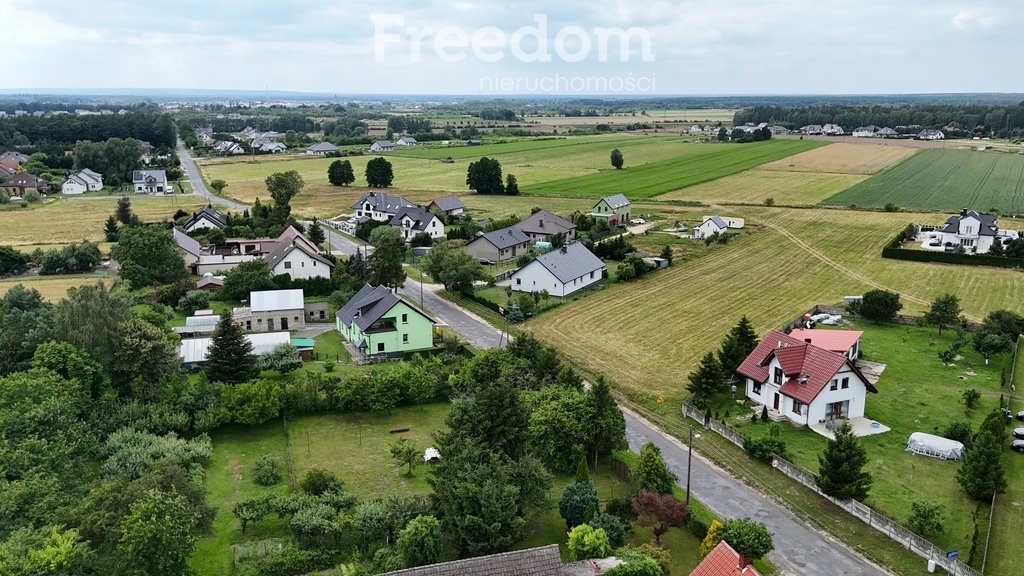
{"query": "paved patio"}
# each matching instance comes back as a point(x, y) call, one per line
point(861, 427)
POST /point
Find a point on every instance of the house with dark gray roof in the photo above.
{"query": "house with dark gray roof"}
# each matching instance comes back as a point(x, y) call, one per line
point(22, 182)
point(559, 272)
point(499, 245)
point(321, 149)
point(450, 206)
point(150, 181)
point(410, 221)
point(542, 225)
point(711, 226)
point(380, 206)
point(188, 246)
point(382, 146)
point(206, 217)
point(973, 231)
point(379, 322)
point(297, 261)
point(612, 210)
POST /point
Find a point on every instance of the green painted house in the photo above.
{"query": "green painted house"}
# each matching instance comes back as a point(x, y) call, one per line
point(612, 210)
point(377, 321)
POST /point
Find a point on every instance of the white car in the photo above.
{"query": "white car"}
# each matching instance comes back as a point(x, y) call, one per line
point(638, 221)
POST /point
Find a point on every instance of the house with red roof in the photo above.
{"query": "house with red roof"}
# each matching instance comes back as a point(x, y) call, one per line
point(724, 561)
point(808, 377)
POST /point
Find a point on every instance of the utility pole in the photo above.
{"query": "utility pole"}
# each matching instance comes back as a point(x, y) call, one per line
point(689, 465)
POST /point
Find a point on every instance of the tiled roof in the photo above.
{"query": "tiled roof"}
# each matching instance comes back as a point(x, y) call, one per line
point(544, 222)
point(838, 341)
point(383, 202)
point(211, 214)
point(503, 238)
point(723, 561)
point(283, 249)
point(988, 223)
point(420, 217)
point(542, 561)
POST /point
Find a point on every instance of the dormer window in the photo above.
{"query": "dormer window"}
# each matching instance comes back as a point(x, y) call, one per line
point(777, 377)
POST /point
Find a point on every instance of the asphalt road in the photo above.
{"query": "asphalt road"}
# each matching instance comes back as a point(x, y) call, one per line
point(198, 186)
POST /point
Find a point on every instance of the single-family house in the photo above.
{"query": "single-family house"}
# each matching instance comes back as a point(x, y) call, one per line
point(150, 181)
point(193, 351)
point(297, 261)
point(188, 247)
point(473, 142)
point(407, 141)
point(410, 221)
point(83, 181)
point(14, 157)
point(542, 225)
point(730, 221)
point(805, 383)
point(321, 149)
point(779, 130)
point(832, 130)
point(206, 217)
point(542, 561)
point(379, 322)
point(865, 131)
point(711, 226)
point(887, 133)
point(975, 232)
point(382, 146)
point(6, 172)
point(22, 182)
point(380, 206)
point(561, 272)
point(499, 245)
point(696, 129)
point(204, 134)
point(843, 342)
point(724, 560)
point(272, 310)
point(228, 148)
point(612, 210)
point(449, 206)
point(219, 263)
point(929, 134)
point(812, 129)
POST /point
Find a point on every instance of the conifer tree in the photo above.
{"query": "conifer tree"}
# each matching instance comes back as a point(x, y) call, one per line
point(736, 346)
point(230, 358)
point(706, 381)
point(841, 466)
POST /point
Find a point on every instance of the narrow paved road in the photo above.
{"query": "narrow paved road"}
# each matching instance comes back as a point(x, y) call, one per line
point(198, 187)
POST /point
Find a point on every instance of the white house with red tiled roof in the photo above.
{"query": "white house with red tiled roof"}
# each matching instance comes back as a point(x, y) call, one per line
point(804, 382)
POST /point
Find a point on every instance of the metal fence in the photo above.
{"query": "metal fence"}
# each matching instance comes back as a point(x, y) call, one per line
point(891, 528)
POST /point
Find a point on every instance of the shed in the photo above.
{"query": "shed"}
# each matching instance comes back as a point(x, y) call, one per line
point(935, 446)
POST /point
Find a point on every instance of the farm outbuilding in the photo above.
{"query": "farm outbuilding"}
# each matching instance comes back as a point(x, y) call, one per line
point(935, 446)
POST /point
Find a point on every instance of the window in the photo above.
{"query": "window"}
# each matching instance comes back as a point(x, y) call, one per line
point(405, 318)
point(303, 264)
point(798, 407)
point(323, 315)
point(287, 265)
point(380, 347)
point(777, 378)
point(834, 385)
point(846, 383)
point(757, 388)
point(405, 338)
point(519, 281)
point(259, 320)
point(591, 275)
point(248, 324)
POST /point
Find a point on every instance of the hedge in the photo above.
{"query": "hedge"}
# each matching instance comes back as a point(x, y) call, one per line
point(895, 251)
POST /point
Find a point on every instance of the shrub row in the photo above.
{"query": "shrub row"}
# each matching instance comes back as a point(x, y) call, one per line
point(894, 250)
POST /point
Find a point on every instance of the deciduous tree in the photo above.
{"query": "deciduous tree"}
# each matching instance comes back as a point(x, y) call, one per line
point(379, 173)
point(878, 305)
point(148, 255)
point(617, 159)
point(484, 176)
point(89, 318)
point(659, 512)
point(944, 312)
point(585, 541)
point(340, 173)
point(386, 262)
point(405, 453)
point(420, 542)
point(156, 537)
point(749, 538)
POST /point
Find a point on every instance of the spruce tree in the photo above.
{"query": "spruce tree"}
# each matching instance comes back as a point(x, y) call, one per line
point(230, 358)
point(706, 381)
point(316, 234)
point(982, 473)
point(841, 467)
point(737, 345)
point(111, 229)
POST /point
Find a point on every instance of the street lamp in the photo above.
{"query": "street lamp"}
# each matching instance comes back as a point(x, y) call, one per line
point(689, 462)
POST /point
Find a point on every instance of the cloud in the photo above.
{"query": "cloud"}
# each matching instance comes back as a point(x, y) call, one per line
point(972, 21)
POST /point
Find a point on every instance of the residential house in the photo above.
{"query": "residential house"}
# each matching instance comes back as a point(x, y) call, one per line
point(803, 382)
point(10, 166)
point(188, 246)
point(812, 129)
point(147, 150)
point(219, 263)
point(887, 133)
point(473, 142)
point(382, 146)
point(270, 147)
point(22, 182)
point(612, 210)
point(411, 221)
point(6, 172)
point(711, 226)
point(210, 283)
point(407, 141)
point(449, 206)
point(322, 149)
point(272, 310)
point(832, 130)
point(724, 560)
point(560, 272)
point(379, 322)
point(542, 561)
point(228, 148)
point(206, 217)
point(150, 181)
point(380, 206)
point(866, 132)
point(81, 182)
point(779, 130)
point(542, 225)
point(730, 221)
point(929, 134)
point(975, 232)
point(204, 134)
point(499, 245)
point(696, 129)
point(297, 261)
point(193, 351)
point(14, 156)
point(842, 342)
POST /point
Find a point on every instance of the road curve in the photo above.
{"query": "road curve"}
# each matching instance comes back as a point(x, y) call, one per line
point(198, 186)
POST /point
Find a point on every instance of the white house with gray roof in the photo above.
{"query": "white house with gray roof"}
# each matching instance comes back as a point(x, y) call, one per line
point(382, 146)
point(410, 221)
point(380, 206)
point(321, 149)
point(150, 181)
point(561, 272)
point(499, 245)
point(711, 226)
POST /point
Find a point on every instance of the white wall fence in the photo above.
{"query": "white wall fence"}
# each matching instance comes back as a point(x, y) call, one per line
point(894, 530)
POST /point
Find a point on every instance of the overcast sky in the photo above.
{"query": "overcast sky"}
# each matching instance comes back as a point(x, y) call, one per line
point(492, 48)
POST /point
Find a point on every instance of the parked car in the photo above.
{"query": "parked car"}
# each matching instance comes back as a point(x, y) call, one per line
point(1018, 446)
point(485, 261)
point(638, 221)
point(1018, 433)
point(1020, 415)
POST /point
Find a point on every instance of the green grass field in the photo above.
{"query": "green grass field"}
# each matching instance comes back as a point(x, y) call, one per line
point(703, 163)
point(939, 179)
point(1004, 554)
point(54, 288)
point(756, 186)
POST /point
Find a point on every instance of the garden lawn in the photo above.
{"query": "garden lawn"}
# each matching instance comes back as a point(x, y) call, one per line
point(942, 179)
point(1004, 554)
point(332, 345)
point(917, 393)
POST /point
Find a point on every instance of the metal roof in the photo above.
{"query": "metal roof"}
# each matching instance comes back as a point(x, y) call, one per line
point(193, 350)
point(616, 201)
point(504, 237)
point(273, 300)
point(186, 242)
point(569, 262)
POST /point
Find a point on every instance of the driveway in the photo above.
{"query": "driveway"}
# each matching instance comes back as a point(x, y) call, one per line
point(799, 549)
point(470, 327)
point(198, 187)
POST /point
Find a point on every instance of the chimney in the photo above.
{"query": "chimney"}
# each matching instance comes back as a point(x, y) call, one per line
point(743, 563)
point(808, 340)
point(540, 222)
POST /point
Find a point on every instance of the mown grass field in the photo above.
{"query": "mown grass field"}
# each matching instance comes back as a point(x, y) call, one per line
point(757, 185)
point(706, 162)
point(1004, 554)
point(647, 335)
point(54, 288)
point(937, 179)
point(843, 158)
point(62, 221)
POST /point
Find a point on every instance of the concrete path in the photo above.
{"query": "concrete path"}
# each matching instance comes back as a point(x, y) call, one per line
point(799, 549)
point(198, 187)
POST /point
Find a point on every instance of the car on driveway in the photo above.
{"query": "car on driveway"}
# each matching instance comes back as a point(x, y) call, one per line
point(638, 221)
point(1018, 433)
point(1018, 446)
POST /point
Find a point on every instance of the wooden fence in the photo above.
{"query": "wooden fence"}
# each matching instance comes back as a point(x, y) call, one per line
point(894, 530)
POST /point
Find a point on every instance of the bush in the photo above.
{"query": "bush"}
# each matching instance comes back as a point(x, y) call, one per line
point(959, 431)
point(612, 526)
point(586, 542)
point(253, 402)
point(318, 481)
point(285, 562)
point(621, 508)
point(194, 300)
point(266, 471)
point(578, 504)
point(32, 196)
point(768, 444)
point(926, 519)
